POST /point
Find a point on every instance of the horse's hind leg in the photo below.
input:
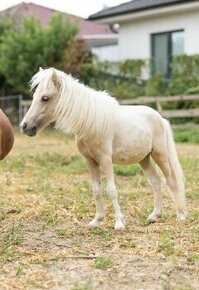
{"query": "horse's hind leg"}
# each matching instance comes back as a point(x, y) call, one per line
point(175, 185)
point(95, 179)
point(155, 183)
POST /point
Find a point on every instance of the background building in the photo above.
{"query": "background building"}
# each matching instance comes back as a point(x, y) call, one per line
point(154, 29)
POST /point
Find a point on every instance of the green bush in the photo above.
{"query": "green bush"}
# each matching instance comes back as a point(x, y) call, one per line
point(120, 79)
point(123, 79)
point(184, 75)
point(156, 86)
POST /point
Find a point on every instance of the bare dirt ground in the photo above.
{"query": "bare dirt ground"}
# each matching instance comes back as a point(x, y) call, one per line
point(46, 204)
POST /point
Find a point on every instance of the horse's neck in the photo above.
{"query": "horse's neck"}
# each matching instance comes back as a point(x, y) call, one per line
point(84, 112)
point(74, 108)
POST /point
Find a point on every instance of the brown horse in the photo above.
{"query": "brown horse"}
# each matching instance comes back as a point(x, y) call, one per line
point(6, 135)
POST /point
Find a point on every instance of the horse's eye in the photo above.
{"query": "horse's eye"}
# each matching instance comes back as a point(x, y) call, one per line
point(45, 98)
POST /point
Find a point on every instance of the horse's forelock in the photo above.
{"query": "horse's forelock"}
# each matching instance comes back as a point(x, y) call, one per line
point(43, 78)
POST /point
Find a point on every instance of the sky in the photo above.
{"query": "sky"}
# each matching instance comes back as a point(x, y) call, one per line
point(82, 8)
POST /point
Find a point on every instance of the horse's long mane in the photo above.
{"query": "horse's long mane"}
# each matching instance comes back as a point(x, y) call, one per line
point(80, 110)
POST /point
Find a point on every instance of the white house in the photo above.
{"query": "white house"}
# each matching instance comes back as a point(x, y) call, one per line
point(154, 29)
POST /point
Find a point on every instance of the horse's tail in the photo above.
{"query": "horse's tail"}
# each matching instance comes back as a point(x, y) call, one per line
point(175, 166)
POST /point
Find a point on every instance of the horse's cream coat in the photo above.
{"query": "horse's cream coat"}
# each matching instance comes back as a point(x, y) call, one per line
point(107, 133)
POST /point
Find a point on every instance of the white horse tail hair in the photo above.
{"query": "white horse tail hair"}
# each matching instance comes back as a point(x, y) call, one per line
point(175, 166)
point(173, 157)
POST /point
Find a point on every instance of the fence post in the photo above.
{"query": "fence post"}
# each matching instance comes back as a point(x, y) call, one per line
point(20, 108)
point(159, 106)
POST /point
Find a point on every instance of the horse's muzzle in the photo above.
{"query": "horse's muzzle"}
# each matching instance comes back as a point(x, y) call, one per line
point(28, 130)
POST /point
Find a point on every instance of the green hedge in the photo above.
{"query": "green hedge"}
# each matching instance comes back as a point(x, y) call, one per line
point(184, 75)
point(121, 79)
point(124, 79)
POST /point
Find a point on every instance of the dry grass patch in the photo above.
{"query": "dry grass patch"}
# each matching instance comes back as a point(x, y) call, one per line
point(46, 204)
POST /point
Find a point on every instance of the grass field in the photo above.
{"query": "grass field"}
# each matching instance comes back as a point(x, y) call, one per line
point(46, 204)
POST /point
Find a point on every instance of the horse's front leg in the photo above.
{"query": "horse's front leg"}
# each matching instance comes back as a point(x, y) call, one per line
point(107, 167)
point(93, 168)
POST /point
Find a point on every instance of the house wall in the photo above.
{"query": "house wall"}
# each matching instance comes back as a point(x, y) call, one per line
point(134, 36)
point(106, 52)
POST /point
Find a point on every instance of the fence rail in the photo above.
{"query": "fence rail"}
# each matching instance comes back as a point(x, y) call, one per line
point(158, 101)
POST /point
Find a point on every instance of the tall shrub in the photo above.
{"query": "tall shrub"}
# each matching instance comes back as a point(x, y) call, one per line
point(184, 74)
point(121, 79)
point(26, 47)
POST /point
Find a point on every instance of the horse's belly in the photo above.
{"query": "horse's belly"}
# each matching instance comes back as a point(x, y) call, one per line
point(131, 146)
point(130, 156)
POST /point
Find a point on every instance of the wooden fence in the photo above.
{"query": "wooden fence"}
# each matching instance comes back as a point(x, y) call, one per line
point(172, 113)
point(25, 106)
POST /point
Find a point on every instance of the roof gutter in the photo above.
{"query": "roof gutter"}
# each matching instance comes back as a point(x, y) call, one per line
point(147, 13)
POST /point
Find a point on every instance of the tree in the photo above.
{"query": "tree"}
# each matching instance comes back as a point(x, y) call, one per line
point(26, 47)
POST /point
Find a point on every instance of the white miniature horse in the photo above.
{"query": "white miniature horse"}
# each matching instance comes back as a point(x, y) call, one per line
point(107, 133)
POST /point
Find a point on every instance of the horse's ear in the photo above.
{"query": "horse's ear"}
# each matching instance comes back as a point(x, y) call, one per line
point(40, 68)
point(55, 78)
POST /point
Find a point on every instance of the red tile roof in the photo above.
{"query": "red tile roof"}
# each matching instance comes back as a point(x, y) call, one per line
point(44, 14)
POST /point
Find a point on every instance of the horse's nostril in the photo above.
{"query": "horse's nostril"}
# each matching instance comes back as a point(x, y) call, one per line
point(24, 126)
point(34, 129)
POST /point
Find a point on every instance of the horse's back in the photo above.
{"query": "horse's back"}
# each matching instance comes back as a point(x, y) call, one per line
point(140, 111)
point(140, 116)
point(6, 135)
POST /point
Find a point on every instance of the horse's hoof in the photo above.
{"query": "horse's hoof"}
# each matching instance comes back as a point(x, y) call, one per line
point(119, 226)
point(152, 220)
point(96, 221)
point(153, 217)
point(181, 217)
point(93, 224)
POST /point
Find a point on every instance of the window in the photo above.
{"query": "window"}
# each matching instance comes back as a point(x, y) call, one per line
point(164, 47)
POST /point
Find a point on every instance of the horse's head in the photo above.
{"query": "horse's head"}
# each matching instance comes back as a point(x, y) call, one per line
point(45, 98)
